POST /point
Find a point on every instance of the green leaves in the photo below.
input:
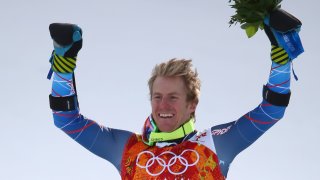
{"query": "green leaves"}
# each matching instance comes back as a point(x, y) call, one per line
point(251, 31)
point(251, 13)
point(252, 28)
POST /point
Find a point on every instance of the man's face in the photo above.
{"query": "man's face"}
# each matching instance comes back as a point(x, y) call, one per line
point(170, 108)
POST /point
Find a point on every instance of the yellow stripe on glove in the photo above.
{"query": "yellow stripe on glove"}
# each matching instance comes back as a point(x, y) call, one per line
point(279, 55)
point(63, 64)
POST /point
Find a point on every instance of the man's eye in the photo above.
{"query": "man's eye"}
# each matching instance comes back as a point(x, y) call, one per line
point(156, 97)
point(173, 97)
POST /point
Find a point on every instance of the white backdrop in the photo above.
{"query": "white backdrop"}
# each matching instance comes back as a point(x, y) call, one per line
point(123, 40)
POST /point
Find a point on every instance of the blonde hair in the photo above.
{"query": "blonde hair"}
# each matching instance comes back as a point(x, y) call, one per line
point(178, 68)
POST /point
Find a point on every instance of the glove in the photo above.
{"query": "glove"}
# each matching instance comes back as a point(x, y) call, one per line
point(280, 21)
point(282, 30)
point(67, 41)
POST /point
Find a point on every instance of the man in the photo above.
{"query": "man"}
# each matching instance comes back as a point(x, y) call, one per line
point(169, 146)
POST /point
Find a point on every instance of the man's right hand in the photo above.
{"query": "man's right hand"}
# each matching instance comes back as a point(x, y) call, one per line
point(67, 41)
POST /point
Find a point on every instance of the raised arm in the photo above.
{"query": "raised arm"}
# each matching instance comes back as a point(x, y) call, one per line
point(231, 138)
point(105, 142)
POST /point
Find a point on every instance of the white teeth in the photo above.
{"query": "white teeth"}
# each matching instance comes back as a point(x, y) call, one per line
point(166, 115)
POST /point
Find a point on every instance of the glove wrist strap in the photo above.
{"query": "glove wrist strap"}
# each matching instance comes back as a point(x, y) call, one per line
point(68, 103)
point(274, 98)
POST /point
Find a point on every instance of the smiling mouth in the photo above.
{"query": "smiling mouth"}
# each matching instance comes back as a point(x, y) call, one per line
point(165, 115)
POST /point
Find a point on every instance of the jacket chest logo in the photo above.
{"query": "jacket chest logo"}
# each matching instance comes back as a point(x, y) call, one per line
point(176, 164)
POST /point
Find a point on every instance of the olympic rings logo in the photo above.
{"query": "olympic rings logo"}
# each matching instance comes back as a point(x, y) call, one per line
point(169, 164)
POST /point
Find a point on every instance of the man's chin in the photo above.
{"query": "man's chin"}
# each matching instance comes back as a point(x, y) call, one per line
point(165, 124)
point(166, 128)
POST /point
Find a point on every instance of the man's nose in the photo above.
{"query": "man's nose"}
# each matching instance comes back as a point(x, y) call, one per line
point(164, 103)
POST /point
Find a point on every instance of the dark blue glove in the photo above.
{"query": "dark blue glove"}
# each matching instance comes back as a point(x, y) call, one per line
point(67, 41)
point(282, 30)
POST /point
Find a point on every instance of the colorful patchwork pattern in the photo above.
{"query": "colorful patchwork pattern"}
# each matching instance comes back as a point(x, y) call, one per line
point(188, 160)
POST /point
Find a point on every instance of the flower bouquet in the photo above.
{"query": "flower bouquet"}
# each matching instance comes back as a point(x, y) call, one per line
point(251, 13)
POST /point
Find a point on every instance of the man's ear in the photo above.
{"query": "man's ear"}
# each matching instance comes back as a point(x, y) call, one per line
point(193, 106)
